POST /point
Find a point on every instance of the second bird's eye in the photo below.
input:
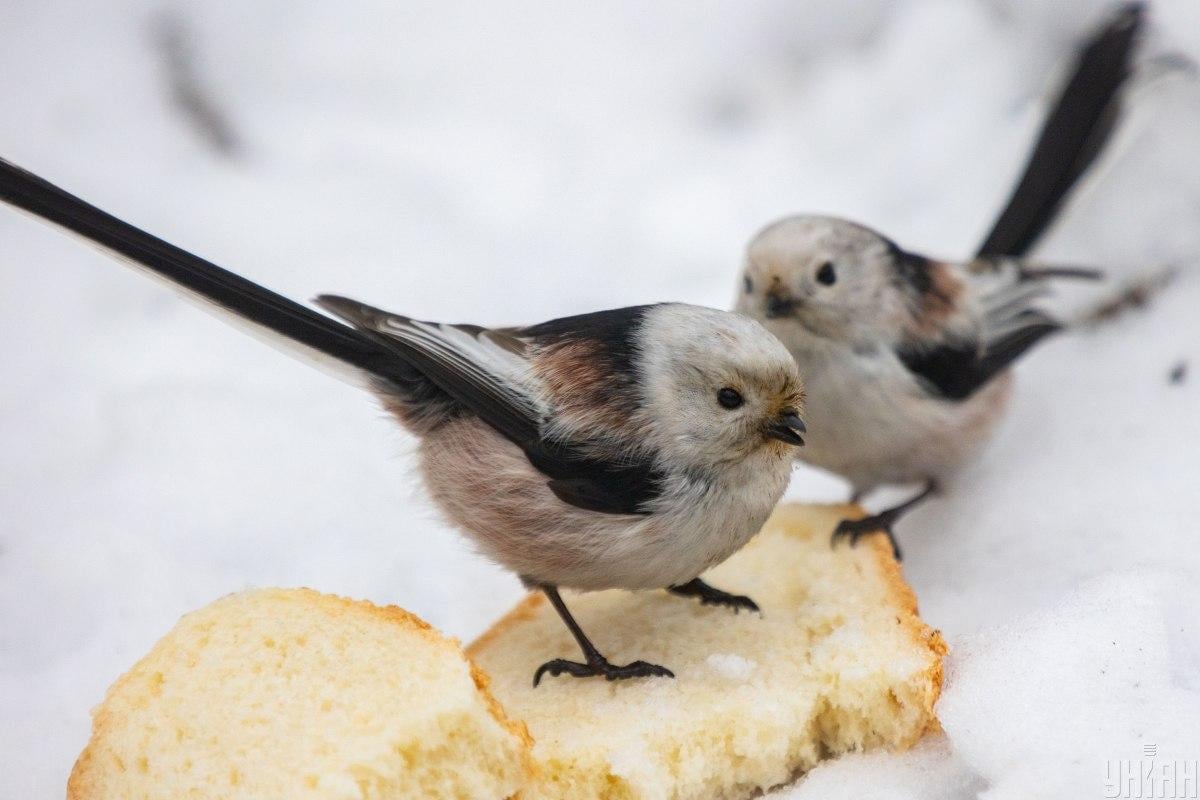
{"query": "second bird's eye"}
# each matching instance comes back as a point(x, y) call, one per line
point(730, 398)
point(826, 274)
point(748, 284)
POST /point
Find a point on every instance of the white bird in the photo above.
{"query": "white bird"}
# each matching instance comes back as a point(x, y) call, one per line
point(906, 358)
point(632, 448)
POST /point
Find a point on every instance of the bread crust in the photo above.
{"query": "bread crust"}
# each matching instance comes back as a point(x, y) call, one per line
point(80, 784)
point(905, 599)
point(523, 611)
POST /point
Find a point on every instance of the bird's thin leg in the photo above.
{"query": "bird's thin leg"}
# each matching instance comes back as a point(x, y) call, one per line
point(594, 663)
point(854, 529)
point(712, 596)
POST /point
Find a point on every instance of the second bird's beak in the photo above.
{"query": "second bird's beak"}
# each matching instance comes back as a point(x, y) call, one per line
point(787, 428)
point(779, 305)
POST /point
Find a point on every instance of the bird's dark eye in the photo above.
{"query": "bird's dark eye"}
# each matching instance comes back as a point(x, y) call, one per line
point(730, 398)
point(826, 274)
point(748, 284)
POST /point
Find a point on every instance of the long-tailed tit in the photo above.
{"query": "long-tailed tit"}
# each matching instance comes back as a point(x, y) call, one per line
point(632, 448)
point(906, 358)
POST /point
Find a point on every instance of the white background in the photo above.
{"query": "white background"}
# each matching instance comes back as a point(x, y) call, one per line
point(509, 162)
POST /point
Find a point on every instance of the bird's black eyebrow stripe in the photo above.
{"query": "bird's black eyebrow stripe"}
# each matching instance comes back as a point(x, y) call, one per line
point(614, 330)
point(576, 478)
point(912, 270)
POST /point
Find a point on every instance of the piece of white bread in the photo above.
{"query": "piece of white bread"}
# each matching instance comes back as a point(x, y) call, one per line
point(837, 661)
point(291, 694)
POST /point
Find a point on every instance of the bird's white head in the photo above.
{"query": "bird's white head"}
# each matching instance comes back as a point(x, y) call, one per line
point(829, 278)
point(717, 387)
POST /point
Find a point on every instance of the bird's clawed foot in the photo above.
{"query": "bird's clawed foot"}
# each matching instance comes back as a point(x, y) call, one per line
point(855, 529)
point(601, 667)
point(712, 596)
point(594, 664)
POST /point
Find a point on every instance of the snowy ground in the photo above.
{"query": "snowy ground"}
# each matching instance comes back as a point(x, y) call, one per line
point(508, 162)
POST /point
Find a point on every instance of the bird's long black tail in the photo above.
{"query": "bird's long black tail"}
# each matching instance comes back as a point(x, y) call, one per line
point(1075, 133)
point(228, 292)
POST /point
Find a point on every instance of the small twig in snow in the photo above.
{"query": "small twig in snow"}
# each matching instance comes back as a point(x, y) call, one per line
point(188, 92)
point(1136, 294)
point(1178, 374)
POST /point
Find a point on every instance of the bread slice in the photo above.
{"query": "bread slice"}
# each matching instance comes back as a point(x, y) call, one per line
point(837, 661)
point(292, 694)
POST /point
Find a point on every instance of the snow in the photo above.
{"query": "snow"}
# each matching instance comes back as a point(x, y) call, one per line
point(731, 666)
point(509, 162)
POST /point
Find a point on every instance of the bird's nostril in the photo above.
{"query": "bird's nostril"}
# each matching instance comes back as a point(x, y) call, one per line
point(779, 305)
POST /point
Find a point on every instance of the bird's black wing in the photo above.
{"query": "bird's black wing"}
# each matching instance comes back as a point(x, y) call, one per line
point(421, 368)
point(453, 358)
point(607, 487)
point(487, 372)
point(958, 369)
point(970, 350)
point(1076, 131)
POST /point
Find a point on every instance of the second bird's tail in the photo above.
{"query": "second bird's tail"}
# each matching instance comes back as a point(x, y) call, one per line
point(1072, 138)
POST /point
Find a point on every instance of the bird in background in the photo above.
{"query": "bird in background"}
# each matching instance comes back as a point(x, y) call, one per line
point(906, 358)
point(632, 448)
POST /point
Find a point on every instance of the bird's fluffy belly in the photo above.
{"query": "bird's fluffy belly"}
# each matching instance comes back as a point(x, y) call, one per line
point(865, 430)
point(485, 485)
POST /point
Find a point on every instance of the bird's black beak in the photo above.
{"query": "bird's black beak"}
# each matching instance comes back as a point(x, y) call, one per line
point(787, 428)
point(779, 305)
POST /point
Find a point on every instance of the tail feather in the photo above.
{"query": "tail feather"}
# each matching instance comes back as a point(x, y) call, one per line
point(1076, 132)
point(1032, 272)
point(231, 293)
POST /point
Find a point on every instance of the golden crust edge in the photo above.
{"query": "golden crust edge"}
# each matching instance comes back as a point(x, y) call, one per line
point(902, 596)
point(523, 611)
point(78, 784)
